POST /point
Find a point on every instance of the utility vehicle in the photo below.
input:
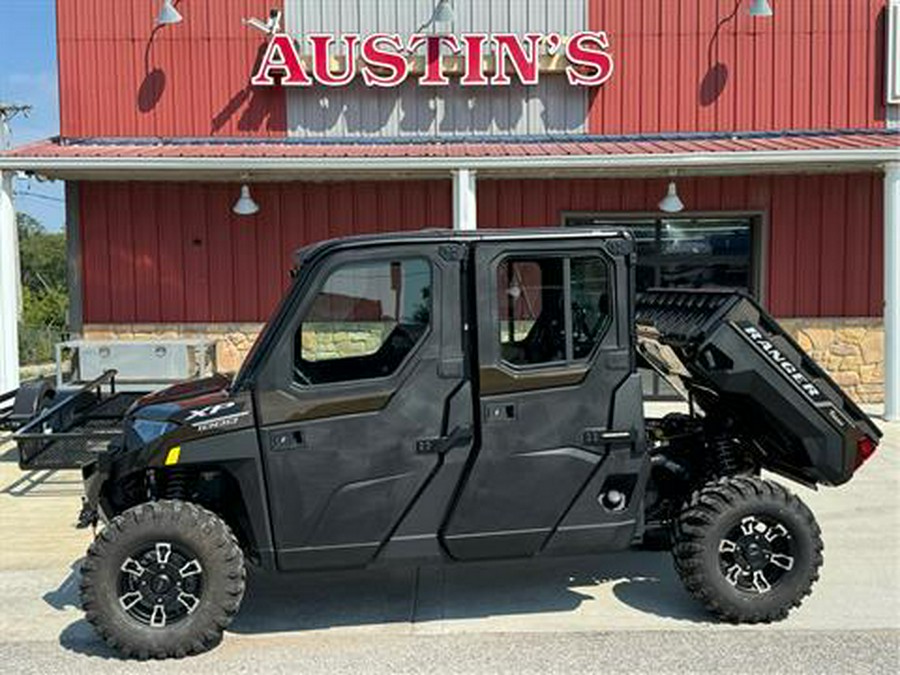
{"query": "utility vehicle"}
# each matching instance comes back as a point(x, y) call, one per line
point(442, 397)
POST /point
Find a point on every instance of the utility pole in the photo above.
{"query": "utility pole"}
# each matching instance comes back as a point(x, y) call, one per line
point(9, 261)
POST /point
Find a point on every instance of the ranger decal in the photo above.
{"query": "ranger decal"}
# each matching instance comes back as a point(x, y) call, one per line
point(759, 340)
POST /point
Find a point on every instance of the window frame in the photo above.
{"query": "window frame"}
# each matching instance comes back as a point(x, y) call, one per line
point(759, 232)
point(323, 276)
point(759, 243)
point(567, 256)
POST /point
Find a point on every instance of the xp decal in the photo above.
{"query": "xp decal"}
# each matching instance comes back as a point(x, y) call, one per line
point(216, 416)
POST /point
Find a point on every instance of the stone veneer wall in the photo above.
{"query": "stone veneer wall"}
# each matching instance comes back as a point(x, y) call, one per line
point(850, 349)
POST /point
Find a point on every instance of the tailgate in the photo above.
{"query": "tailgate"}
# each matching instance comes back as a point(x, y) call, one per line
point(740, 360)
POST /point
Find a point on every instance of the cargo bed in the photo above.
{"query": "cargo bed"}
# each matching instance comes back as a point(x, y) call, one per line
point(734, 360)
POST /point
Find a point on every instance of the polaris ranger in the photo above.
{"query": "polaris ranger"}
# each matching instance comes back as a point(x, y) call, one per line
point(450, 397)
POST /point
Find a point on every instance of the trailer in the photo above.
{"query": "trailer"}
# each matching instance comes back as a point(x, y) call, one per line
point(64, 422)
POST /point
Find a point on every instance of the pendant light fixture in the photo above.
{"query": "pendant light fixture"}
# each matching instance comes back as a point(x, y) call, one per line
point(671, 203)
point(245, 205)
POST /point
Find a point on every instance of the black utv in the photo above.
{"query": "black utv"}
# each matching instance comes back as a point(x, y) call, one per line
point(445, 397)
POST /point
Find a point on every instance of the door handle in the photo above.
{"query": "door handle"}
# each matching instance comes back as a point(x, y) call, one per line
point(500, 412)
point(285, 440)
point(438, 446)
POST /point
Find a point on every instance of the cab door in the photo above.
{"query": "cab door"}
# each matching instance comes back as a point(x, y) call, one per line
point(352, 400)
point(554, 352)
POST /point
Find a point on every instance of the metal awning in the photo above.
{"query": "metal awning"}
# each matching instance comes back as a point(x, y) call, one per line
point(266, 159)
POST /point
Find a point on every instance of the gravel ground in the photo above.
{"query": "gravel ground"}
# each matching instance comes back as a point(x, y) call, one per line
point(656, 652)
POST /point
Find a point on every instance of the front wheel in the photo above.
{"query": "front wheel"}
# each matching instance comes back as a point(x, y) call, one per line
point(163, 579)
point(747, 549)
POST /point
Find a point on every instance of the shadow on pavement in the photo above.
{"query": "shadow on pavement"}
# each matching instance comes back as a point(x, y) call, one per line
point(65, 596)
point(643, 580)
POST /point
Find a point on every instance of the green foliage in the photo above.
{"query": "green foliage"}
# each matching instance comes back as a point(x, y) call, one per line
point(45, 295)
point(45, 308)
point(42, 255)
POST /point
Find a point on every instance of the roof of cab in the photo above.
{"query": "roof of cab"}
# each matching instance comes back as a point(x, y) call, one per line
point(461, 236)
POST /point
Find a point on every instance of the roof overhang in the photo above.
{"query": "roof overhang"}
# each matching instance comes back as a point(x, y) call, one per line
point(215, 160)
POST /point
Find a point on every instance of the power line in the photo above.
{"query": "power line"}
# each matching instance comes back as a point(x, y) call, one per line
point(36, 195)
point(8, 111)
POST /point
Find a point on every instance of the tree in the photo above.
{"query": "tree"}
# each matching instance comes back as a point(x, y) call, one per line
point(45, 294)
point(42, 256)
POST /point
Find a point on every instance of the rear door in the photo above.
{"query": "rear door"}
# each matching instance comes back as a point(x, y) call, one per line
point(353, 400)
point(553, 349)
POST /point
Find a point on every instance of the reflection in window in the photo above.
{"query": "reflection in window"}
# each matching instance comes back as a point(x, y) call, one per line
point(537, 326)
point(364, 321)
point(591, 308)
point(686, 253)
point(532, 328)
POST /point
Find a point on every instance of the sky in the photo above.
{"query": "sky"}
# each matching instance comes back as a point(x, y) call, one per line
point(28, 75)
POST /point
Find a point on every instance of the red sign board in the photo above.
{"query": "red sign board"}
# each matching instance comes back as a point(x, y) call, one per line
point(477, 59)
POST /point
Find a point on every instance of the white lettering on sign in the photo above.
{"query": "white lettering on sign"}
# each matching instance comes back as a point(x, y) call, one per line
point(386, 60)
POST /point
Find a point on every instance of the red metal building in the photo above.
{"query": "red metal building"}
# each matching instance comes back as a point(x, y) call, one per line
point(777, 131)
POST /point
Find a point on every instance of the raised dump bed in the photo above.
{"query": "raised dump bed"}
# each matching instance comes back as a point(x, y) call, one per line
point(735, 361)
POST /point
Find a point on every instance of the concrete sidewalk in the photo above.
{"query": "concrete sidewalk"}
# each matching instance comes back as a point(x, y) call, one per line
point(620, 592)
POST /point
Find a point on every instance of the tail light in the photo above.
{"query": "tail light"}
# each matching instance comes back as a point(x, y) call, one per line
point(865, 448)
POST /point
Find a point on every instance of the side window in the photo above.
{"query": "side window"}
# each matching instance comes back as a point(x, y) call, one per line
point(552, 309)
point(591, 304)
point(532, 317)
point(364, 321)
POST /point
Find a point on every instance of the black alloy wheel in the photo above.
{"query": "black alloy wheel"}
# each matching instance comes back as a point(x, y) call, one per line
point(756, 554)
point(747, 549)
point(163, 579)
point(160, 584)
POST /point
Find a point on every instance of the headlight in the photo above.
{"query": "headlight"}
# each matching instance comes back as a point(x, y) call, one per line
point(150, 430)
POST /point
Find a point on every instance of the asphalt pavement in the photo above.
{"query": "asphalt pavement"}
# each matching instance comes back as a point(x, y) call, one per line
point(623, 613)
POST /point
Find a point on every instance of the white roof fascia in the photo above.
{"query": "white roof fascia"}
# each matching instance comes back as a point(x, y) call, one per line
point(212, 164)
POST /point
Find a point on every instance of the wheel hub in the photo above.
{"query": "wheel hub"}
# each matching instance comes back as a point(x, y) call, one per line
point(756, 554)
point(160, 584)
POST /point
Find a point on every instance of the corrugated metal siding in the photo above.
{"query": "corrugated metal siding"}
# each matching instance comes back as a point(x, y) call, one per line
point(824, 253)
point(551, 107)
point(174, 252)
point(190, 79)
point(814, 64)
point(166, 252)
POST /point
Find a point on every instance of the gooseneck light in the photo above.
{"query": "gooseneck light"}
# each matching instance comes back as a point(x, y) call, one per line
point(168, 15)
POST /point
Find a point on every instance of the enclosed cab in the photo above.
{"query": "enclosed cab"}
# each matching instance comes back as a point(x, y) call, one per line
point(447, 397)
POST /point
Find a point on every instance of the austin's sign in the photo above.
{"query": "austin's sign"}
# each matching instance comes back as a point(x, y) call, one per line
point(476, 59)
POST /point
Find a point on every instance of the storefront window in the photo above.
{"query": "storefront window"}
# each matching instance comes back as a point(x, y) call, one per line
point(686, 253)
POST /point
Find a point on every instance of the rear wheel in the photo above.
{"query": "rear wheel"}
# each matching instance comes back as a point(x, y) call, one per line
point(163, 579)
point(748, 549)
